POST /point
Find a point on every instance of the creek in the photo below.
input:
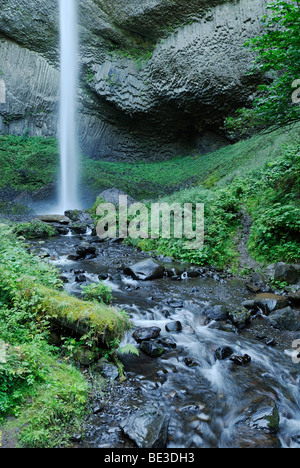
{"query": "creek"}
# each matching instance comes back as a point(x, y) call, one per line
point(209, 402)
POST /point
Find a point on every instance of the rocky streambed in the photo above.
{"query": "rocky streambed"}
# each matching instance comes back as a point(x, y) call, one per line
point(218, 364)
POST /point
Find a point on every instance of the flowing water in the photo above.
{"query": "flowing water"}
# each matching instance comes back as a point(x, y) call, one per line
point(210, 403)
point(68, 92)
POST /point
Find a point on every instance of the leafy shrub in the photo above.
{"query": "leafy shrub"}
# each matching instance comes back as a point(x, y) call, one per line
point(97, 292)
point(34, 229)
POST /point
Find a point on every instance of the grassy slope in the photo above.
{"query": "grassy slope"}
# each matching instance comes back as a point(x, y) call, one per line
point(30, 300)
point(138, 179)
point(31, 163)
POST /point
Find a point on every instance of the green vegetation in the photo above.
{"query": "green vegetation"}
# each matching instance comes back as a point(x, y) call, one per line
point(138, 178)
point(34, 229)
point(27, 163)
point(278, 54)
point(47, 394)
point(97, 292)
point(270, 195)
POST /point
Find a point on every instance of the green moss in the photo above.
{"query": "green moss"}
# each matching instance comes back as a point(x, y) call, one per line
point(34, 229)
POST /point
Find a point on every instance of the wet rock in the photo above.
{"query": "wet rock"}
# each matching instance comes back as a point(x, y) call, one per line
point(241, 360)
point(190, 362)
point(147, 427)
point(217, 312)
point(285, 319)
point(146, 270)
point(60, 219)
point(240, 318)
point(112, 196)
point(146, 334)
point(174, 326)
point(265, 415)
point(79, 228)
point(269, 302)
point(294, 298)
point(152, 349)
point(79, 216)
point(98, 408)
point(223, 326)
point(84, 249)
point(61, 230)
point(167, 342)
point(286, 273)
point(223, 353)
point(109, 371)
point(257, 283)
point(80, 279)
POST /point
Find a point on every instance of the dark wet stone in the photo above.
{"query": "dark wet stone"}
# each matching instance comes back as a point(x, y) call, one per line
point(265, 415)
point(147, 427)
point(269, 302)
point(145, 334)
point(285, 319)
point(80, 279)
point(223, 353)
point(174, 327)
point(84, 249)
point(167, 342)
point(152, 349)
point(109, 371)
point(217, 312)
point(60, 219)
point(240, 317)
point(79, 228)
point(241, 360)
point(286, 273)
point(146, 270)
point(294, 298)
point(98, 408)
point(76, 438)
point(190, 363)
point(271, 342)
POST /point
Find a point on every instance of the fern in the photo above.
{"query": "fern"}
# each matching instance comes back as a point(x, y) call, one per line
point(129, 349)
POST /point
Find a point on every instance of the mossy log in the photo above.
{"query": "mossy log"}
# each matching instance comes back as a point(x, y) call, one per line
point(104, 322)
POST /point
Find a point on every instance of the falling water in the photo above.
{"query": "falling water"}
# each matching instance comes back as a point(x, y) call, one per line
point(68, 89)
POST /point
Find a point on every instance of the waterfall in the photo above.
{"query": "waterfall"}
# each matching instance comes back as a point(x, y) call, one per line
point(69, 198)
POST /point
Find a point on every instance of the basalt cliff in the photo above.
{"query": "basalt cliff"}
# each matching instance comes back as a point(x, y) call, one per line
point(157, 78)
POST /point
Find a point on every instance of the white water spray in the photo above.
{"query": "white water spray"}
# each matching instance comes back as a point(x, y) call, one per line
point(68, 91)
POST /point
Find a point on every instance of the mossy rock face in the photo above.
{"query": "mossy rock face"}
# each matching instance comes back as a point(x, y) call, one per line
point(240, 317)
point(144, 40)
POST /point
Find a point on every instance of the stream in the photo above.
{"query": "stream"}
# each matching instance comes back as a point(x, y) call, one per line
point(210, 403)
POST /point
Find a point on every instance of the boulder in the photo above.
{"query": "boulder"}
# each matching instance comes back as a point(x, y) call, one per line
point(174, 326)
point(217, 312)
point(286, 273)
point(112, 196)
point(241, 360)
point(146, 270)
point(265, 415)
point(146, 334)
point(152, 349)
point(84, 249)
point(223, 353)
point(147, 427)
point(269, 302)
point(240, 317)
point(285, 319)
point(60, 219)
